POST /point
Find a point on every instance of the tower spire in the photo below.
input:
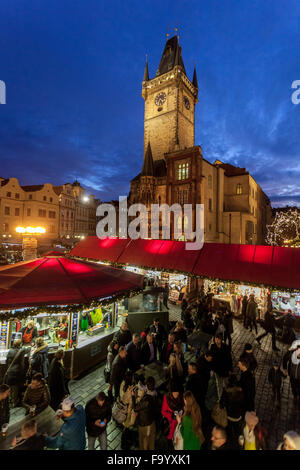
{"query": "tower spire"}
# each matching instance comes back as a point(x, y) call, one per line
point(146, 72)
point(195, 81)
point(148, 166)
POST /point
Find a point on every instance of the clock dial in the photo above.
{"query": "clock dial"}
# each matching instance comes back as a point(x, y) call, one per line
point(186, 102)
point(160, 99)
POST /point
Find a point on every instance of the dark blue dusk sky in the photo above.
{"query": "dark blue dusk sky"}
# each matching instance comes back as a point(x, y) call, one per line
point(73, 71)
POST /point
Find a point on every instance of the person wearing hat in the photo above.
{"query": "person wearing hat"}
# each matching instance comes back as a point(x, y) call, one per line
point(253, 435)
point(275, 379)
point(291, 367)
point(291, 441)
point(72, 433)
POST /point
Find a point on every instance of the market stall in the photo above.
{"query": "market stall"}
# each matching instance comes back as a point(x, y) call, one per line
point(72, 304)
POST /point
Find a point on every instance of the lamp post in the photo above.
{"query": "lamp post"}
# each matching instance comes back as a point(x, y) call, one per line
point(29, 243)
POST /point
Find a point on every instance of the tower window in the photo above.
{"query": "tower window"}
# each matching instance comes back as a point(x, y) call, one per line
point(183, 171)
point(210, 205)
point(209, 181)
point(239, 189)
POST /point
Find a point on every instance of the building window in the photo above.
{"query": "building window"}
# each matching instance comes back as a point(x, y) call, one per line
point(6, 228)
point(209, 227)
point(210, 205)
point(28, 212)
point(6, 210)
point(42, 213)
point(52, 214)
point(17, 196)
point(209, 181)
point(8, 194)
point(17, 211)
point(51, 199)
point(52, 228)
point(183, 171)
point(44, 198)
point(239, 189)
point(30, 196)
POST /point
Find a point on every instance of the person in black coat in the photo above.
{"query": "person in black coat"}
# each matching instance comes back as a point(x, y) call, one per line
point(222, 360)
point(233, 400)
point(244, 310)
point(167, 349)
point(247, 384)
point(57, 381)
point(4, 404)
point(119, 367)
point(275, 377)
point(248, 353)
point(159, 333)
point(134, 353)
point(29, 439)
point(179, 332)
point(123, 336)
point(228, 324)
point(149, 350)
point(98, 414)
point(269, 327)
point(39, 362)
point(16, 370)
point(204, 367)
point(195, 384)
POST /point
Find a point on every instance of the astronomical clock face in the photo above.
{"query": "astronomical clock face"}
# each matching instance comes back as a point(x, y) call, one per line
point(186, 102)
point(160, 99)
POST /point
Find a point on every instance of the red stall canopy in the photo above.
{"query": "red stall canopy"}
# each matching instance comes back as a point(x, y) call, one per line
point(60, 281)
point(267, 265)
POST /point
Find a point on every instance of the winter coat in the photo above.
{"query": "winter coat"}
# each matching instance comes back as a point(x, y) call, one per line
point(211, 396)
point(295, 371)
point(190, 440)
point(134, 356)
point(160, 336)
point(4, 412)
point(126, 398)
point(123, 337)
point(269, 323)
point(244, 306)
point(72, 433)
point(275, 377)
point(251, 310)
point(111, 355)
point(146, 353)
point(204, 367)
point(39, 396)
point(165, 353)
point(36, 442)
point(145, 409)
point(16, 374)
point(233, 400)
point(94, 412)
point(180, 334)
point(40, 361)
point(228, 322)
point(119, 367)
point(247, 383)
point(195, 385)
point(252, 360)
point(170, 405)
point(222, 360)
point(57, 383)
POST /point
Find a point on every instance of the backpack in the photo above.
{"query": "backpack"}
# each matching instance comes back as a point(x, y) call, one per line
point(119, 411)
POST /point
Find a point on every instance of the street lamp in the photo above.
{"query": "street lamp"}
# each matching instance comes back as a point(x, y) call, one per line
point(30, 240)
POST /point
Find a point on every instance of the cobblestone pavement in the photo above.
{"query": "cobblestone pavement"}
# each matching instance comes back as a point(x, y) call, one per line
point(275, 421)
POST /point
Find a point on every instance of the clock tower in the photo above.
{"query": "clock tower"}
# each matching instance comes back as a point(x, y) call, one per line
point(170, 99)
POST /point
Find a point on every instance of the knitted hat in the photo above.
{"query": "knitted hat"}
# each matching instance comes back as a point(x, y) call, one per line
point(251, 418)
point(68, 404)
point(293, 438)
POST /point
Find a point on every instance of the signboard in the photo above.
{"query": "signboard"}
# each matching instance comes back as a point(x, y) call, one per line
point(74, 328)
point(4, 334)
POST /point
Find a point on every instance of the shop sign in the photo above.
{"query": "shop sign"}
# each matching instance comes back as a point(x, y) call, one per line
point(4, 334)
point(74, 330)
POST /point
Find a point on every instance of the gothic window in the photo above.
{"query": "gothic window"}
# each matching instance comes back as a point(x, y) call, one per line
point(209, 181)
point(210, 205)
point(239, 189)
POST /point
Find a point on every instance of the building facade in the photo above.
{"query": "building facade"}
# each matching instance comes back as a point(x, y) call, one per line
point(236, 210)
point(66, 212)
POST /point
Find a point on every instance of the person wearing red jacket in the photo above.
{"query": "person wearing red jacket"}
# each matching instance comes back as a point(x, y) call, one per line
point(172, 403)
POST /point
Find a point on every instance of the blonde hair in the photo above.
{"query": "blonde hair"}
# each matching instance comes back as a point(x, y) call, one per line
point(39, 342)
point(192, 409)
point(17, 343)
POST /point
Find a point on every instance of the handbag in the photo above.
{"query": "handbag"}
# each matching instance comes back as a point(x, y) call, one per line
point(119, 411)
point(178, 439)
point(218, 414)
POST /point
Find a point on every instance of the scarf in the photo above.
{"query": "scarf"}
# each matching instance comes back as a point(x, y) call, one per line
point(295, 358)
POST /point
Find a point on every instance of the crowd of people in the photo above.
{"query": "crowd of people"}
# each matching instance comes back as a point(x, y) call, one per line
point(202, 404)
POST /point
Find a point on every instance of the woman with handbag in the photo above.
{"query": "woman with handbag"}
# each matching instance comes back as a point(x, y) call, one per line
point(16, 371)
point(172, 404)
point(190, 424)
